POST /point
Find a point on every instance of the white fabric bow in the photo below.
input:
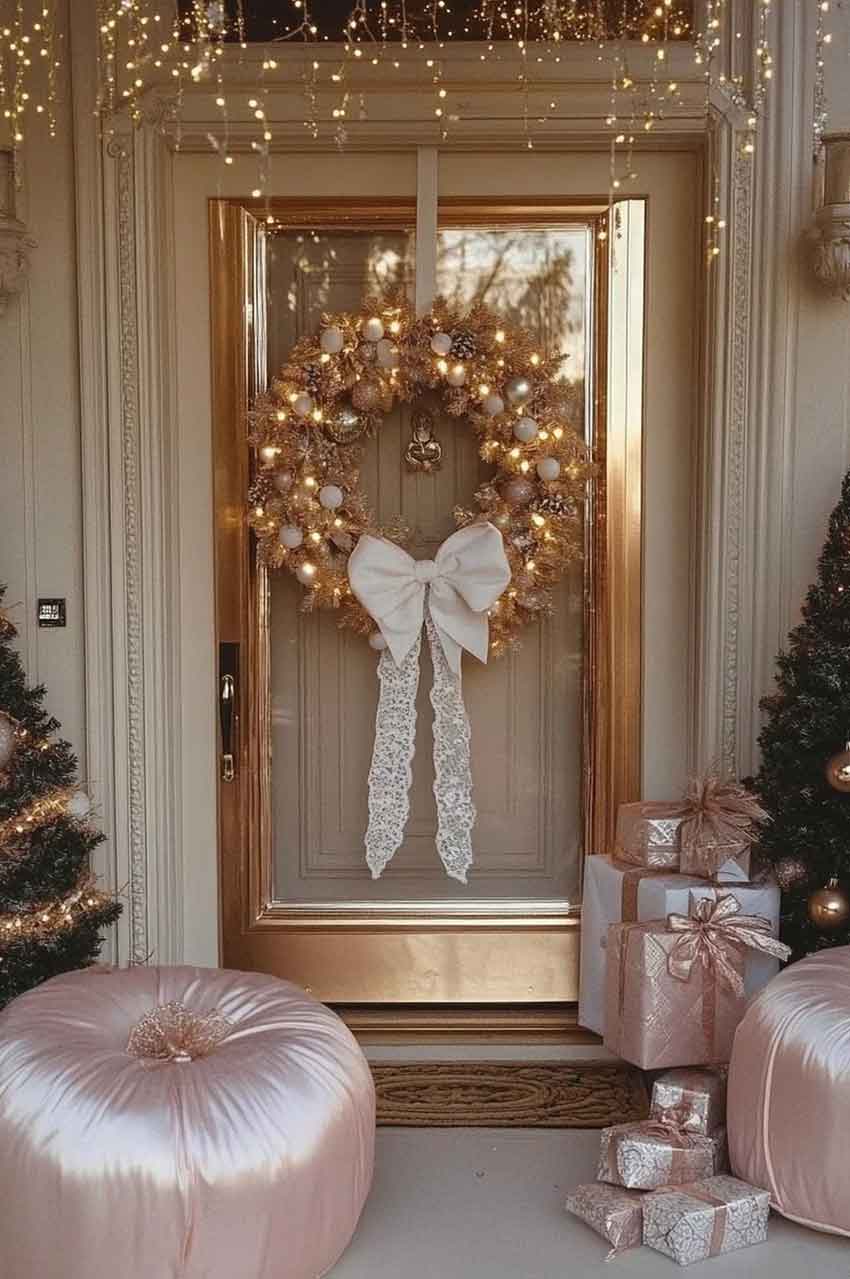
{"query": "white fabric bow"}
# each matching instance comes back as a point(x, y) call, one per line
point(450, 595)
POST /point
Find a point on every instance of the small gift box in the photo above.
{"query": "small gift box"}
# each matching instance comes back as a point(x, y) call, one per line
point(717, 833)
point(693, 1099)
point(615, 892)
point(646, 1155)
point(704, 1219)
point(674, 990)
point(612, 1211)
point(648, 834)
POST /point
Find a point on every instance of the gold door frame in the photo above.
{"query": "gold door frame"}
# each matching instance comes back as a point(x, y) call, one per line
point(427, 953)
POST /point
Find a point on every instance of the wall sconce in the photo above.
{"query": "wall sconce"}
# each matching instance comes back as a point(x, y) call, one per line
point(15, 244)
point(832, 220)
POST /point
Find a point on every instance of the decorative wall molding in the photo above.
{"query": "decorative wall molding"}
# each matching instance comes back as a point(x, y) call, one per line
point(127, 369)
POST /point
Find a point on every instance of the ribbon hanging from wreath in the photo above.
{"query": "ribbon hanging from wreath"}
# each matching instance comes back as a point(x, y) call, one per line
point(311, 517)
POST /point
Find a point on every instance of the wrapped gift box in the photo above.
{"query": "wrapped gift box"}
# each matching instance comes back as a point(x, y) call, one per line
point(612, 1211)
point(652, 1019)
point(646, 1155)
point(615, 892)
point(674, 990)
point(704, 1219)
point(692, 1098)
point(648, 834)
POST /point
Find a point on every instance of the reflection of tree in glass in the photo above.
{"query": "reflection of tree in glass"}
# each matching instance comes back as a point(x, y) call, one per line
point(322, 267)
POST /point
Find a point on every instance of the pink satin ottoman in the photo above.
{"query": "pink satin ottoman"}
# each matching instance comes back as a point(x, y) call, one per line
point(253, 1162)
point(789, 1092)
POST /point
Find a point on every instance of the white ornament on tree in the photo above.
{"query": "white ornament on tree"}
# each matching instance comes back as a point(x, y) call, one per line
point(377, 642)
point(79, 805)
point(493, 404)
point(373, 329)
point(456, 375)
point(291, 536)
point(331, 496)
point(525, 429)
point(549, 468)
point(441, 344)
point(306, 573)
point(303, 404)
point(332, 340)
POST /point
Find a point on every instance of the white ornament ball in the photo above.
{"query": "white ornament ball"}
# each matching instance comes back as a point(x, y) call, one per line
point(377, 642)
point(441, 343)
point(525, 429)
point(7, 739)
point(332, 340)
point(306, 573)
point(518, 390)
point(330, 496)
point(290, 536)
point(79, 805)
point(493, 405)
point(373, 329)
point(388, 355)
point(456, 375)
point(303, 404)
point(549, 468)
point(283, 481)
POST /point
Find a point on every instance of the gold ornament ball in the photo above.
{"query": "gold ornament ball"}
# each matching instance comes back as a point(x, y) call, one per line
point(829, 908)
point(838, 770)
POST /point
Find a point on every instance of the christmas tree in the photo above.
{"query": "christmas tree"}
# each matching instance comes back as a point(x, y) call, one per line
point(51, 915)
point(804, 781)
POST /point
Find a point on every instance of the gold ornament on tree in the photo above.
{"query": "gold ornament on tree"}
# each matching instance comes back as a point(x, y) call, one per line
point(829, 907)
point(838, 770)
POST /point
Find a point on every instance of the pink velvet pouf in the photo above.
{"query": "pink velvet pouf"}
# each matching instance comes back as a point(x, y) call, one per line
point(789, 1092)
point(253, 1160)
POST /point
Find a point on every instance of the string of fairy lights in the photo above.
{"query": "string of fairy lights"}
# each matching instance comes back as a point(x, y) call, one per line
point(145, 44)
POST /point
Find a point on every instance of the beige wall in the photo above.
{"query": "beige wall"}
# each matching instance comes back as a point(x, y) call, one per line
point(41, 538)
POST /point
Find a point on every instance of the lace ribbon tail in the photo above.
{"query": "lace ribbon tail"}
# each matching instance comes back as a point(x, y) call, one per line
point(452, 767)
point(391, 771)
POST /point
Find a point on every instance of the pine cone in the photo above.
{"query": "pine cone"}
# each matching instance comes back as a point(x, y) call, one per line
point(464, 346)
point(313, 378)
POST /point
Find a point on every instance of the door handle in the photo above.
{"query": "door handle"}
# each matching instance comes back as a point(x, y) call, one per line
point(228, 665)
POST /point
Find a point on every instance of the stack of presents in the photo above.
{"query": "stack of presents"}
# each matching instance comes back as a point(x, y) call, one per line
point(677, 932)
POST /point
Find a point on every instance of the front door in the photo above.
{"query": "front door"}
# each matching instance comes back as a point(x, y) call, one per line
point(556, 726)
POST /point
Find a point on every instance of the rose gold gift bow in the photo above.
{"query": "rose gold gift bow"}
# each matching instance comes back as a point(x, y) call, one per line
point(714, 928)
point(719, 814)
point(655, 1130)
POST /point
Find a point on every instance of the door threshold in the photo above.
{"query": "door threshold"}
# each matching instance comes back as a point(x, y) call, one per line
point(403, 1023)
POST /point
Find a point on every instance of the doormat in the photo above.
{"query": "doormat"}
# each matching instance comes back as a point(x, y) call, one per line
point(508, 1094)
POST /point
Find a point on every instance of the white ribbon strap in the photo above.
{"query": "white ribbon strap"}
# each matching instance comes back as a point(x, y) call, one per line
point(450, 595)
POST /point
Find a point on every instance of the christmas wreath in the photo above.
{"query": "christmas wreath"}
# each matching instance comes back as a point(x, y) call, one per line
point(305, 503)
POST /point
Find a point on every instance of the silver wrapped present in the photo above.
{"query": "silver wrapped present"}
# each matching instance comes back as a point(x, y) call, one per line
point(692, 1098)
point(612, 1211)
point(643, 1156)
point(705, 1218)
point(648, 834)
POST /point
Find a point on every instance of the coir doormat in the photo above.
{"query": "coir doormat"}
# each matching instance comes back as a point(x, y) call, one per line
point(508, 1094)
